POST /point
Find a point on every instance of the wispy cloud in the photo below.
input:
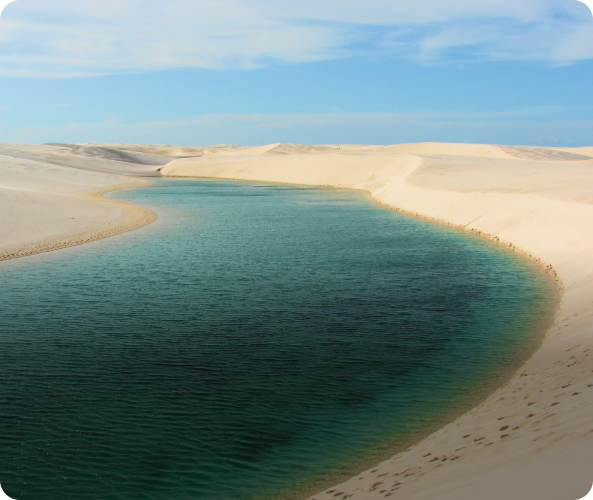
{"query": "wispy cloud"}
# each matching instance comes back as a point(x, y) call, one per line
point(72, 38)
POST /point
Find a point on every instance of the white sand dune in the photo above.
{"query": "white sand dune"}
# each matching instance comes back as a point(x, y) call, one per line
point(218, 149)
point(422, 148)
point(51, 200)
point(440, 148)
point(108, 160)
point(165, 149)
point(113, 154)
point(587, 151)
point(543, 154)
point(482, 150)
point(531, 439)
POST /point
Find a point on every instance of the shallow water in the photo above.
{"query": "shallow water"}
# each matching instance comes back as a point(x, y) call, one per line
point(258, 340)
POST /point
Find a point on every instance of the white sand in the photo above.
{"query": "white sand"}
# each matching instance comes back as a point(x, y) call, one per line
point(542, 208)
point(523, 198)
point(45, 205)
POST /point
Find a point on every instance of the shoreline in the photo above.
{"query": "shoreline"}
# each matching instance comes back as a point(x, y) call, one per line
point(502, 377)
point(492, 381)
point(509, 246)
point(492, 385)
point(545, 458)
point(531, 437)
point(138, 216)
point(134, 217)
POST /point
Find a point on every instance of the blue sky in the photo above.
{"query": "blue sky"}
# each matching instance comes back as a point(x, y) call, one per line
point(252, 72)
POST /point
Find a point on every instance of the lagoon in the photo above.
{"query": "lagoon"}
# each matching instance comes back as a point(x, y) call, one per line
point(258, 341)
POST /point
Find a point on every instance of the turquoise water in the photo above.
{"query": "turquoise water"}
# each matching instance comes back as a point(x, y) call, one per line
point(257, 341)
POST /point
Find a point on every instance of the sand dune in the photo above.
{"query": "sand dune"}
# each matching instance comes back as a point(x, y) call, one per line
point(95, 159)
point(113, 154)
point(45, 206)
point(587, 151)
point(299, 149)
point(440, 148)
point(531, 439)
point(164, 149)
point(570, 182)
point(217, 149)
point(484, 150)
point(422, 148)
point(545, 154)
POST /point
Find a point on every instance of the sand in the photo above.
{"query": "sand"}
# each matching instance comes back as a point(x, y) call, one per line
point(51, 199)
point(532, 438)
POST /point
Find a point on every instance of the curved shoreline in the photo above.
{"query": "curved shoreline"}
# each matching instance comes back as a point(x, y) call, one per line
point(502, 378)
point(470, 457)
point(134, 217)
point(507, 455)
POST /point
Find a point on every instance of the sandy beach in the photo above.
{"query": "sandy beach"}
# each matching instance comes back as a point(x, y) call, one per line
point(51, 198)
point(532, 438)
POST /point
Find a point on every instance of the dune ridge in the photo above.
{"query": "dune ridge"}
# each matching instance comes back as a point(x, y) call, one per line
point(442, 148)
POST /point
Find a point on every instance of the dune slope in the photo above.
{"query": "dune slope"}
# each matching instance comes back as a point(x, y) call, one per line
point(51, 200)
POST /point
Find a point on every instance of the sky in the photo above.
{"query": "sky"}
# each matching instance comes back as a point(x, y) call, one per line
point(197, 72)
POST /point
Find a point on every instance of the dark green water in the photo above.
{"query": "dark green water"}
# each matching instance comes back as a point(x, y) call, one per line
point(257, 340)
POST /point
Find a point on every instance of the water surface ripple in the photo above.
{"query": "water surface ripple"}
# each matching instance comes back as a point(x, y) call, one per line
point(257, 340)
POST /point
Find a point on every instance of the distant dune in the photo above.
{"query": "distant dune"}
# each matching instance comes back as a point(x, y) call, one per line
point(587, 151)
point(531, 439)
point(423, 148)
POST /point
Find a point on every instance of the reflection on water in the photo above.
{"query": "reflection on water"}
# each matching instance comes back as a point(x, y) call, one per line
point(257, 339)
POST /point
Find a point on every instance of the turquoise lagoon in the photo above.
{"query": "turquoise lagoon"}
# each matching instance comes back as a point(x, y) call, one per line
point(257, 341)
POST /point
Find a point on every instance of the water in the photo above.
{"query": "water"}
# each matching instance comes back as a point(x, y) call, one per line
point(257, 341)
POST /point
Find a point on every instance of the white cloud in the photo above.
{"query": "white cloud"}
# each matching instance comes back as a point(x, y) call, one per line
point(69, 37)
